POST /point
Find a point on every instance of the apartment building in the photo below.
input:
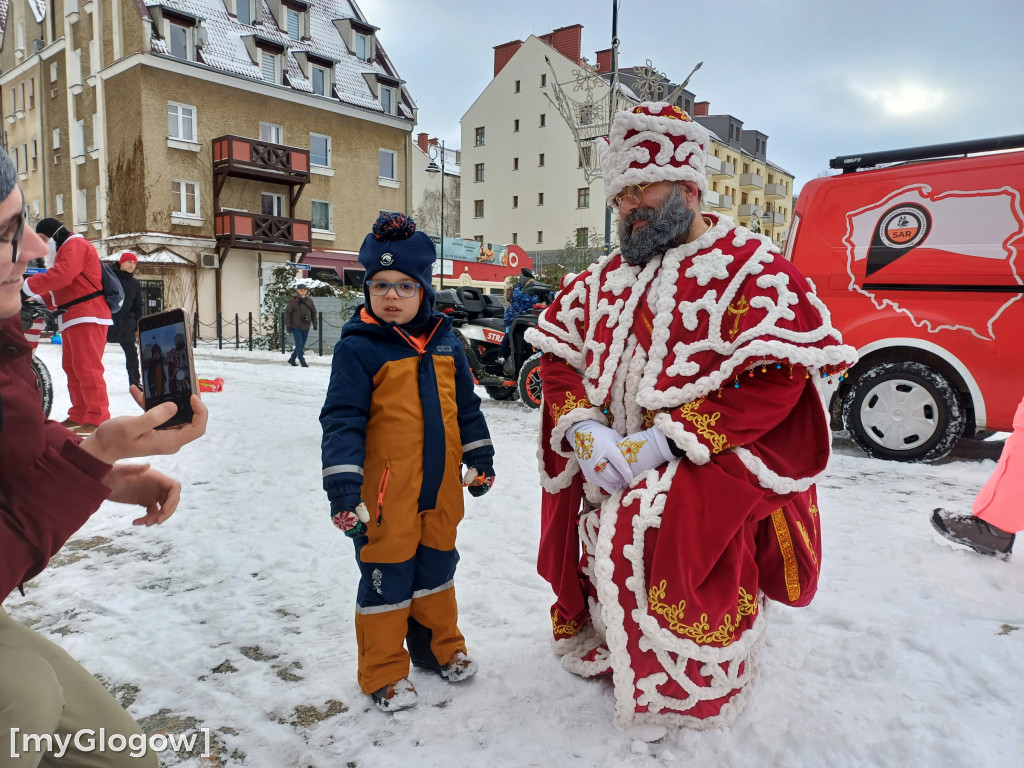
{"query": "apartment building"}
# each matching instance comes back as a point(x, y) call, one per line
point(527, 184)
point(215, 138)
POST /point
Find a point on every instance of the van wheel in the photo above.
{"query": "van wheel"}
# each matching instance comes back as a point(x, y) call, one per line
point(529, 381)
point(502, 393)
point(903, 411)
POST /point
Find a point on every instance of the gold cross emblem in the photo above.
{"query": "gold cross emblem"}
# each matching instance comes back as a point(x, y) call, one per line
point(737, 309)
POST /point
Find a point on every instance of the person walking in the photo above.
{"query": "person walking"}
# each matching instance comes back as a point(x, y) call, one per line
point(998, 512)
point(298, 316)
point(76, 273)
point(126, 319)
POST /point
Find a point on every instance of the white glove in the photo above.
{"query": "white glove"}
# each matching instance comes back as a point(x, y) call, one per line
point(645, 450)
point(598, 453)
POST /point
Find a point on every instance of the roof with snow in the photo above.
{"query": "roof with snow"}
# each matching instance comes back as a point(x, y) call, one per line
point(226, 49)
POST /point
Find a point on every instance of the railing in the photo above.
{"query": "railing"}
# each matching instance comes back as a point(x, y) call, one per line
point(239, 229)
point(260, 160)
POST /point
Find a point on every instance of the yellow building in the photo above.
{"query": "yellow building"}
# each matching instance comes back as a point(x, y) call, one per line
point(214, 138)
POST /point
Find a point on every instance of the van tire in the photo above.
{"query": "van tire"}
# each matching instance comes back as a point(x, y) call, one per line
point(502, 393)
point(529, 381)
point(903, 411)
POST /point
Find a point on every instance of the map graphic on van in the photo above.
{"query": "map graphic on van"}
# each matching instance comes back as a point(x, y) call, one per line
point(911, 250)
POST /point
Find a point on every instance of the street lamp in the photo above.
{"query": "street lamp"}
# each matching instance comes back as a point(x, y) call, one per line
point(437, 152)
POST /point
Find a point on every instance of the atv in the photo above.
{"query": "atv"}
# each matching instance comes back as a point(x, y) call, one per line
point(477, 321)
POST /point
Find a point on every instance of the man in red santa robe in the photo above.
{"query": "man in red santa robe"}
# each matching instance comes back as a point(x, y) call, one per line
point(683, 430)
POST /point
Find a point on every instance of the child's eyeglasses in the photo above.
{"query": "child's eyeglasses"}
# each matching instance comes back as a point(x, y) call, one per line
point(404, 289)
point(15, 238)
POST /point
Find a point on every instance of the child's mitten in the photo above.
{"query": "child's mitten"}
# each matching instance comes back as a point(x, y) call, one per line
point(479, 479)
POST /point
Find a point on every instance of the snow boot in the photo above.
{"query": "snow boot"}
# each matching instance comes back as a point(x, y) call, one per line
point(395, 696)
point(417, 640)
point(303, 363)
point(291, 362)
point(458, 668)
point(974, 532)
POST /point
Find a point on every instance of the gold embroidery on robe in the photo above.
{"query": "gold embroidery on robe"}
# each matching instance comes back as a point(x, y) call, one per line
point(570, 404)
point(698, 631)
point(649, 418)
point(631, 449)
point(738, 309)
point(704, 423)
point(790, 568)
point(807, 541)
point(569, 628)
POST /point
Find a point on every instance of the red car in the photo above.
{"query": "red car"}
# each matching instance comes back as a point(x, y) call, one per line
point(919, 264)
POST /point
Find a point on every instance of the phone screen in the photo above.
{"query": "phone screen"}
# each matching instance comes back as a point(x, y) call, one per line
point(168, 370)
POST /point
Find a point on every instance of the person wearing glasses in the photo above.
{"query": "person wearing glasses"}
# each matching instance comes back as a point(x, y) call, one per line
point(51, 482)
point(83, 323)
point(400, 419)
point(682, 435)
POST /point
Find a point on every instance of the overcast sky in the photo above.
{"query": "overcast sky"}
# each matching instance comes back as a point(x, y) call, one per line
point(820, 77)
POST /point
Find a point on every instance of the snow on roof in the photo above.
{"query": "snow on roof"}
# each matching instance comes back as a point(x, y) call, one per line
point(38, 9)
point(159, 256)
point(226, 49)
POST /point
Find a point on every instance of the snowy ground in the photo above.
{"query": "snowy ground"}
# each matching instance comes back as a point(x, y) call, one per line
point(236, 615)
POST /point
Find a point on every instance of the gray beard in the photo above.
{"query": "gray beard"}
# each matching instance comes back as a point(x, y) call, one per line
point(666, 226)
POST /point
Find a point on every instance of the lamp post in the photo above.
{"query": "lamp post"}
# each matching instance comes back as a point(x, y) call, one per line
point(437, 151)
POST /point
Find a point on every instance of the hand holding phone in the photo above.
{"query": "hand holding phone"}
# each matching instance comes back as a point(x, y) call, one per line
point(168, 368)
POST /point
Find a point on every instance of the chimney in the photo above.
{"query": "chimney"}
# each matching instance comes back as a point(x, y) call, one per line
point(504, 52)
point(421, 141)
point(604, 60)
point(567, 41)
point(701, 108)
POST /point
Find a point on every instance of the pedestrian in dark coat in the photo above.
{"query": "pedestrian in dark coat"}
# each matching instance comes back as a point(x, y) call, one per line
point(126, 320)
point(298, 316)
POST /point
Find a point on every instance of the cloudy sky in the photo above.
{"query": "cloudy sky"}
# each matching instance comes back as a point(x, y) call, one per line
point(821, 78)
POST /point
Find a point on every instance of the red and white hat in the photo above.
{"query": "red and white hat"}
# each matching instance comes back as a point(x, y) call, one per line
point(655, 141)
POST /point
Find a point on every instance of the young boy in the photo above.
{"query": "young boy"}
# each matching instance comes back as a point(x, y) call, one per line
point(400, 417)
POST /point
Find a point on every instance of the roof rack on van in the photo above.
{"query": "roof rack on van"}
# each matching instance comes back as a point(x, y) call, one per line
point(851, 163)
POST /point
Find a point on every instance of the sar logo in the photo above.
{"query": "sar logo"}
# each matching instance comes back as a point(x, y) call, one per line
point(904, 226)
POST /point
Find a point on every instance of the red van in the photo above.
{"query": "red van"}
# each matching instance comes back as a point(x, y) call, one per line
point(920, 265)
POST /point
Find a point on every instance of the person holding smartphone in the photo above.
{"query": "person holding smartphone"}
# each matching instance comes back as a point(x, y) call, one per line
point(51, 482)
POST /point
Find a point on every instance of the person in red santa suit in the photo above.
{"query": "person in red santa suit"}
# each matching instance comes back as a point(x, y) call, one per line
point(683, 429)
point(73, 273)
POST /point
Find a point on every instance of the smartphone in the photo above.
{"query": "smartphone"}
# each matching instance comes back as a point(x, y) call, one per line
point(168, 369)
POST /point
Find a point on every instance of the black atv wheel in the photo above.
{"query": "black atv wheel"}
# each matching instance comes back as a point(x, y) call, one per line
point(529, 381)
point(44, 384)
point(903, 411)
point(502, 393)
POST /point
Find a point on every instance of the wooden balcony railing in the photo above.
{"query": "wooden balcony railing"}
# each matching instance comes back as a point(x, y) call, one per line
point(257, 231)
point(260, 160)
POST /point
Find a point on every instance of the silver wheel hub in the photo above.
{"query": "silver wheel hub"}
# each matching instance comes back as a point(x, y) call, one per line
point(899, 414)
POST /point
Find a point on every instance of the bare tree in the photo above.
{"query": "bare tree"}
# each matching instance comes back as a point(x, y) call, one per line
point(428, 215)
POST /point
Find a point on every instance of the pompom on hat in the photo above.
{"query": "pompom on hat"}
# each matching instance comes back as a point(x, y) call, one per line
point(395, 244)
point(655, 141)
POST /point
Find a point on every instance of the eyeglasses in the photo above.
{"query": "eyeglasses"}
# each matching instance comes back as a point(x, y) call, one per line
point(15, 239)
point(404, 289)
point(634, 193)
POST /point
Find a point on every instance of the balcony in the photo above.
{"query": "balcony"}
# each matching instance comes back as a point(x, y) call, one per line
point(750, 182)
point(257, 160)
point(774, 191)
point(774, 219)
point(725, 170)
point(721, 203)
point(749, 210)
point(257, 231)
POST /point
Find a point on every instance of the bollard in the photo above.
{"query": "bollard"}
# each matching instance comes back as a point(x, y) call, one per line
point(250, 331)
point(195, 329)
point(283, 350)
point(220, 331)
point(237, 340)
point(320, 333)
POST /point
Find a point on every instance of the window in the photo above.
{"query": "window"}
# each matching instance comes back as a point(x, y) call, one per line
point(743, 199)
point(320, 150)
point(478, 209)
point(582, 237)
point(179, 40)
point(515, 163)
point(540, 159)
point(82, 214)
point(60, 203)
point(181, 121)
point(56, 138)
point(35, 154)
point(185, 198)
point(78, 139)
point(272, 133)
point(388, 163)
point(543, 119)
point(517, 86)
point(322, 215)
point(320, 79)
point(540, 236)
point(746, 167)
point(540, 198)
point(268, 65)
point(31, 93)
point(515, 126)
point(583, 197)
point(245, 12)
point(584, 156)
point(543, 82)
point(362, 48)
point(478, 238)
point(480, 136)
point(53, 72)
point(479, 172)
point(387, 99)
point(272, 204)
point(292, 21)
point(515, 238)
point(515, 201)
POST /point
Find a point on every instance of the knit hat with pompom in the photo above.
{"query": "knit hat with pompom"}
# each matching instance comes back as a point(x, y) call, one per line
point(395, 244)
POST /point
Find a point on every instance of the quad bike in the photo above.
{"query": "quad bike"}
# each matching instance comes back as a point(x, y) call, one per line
point(33, 320)
point(478, 324)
